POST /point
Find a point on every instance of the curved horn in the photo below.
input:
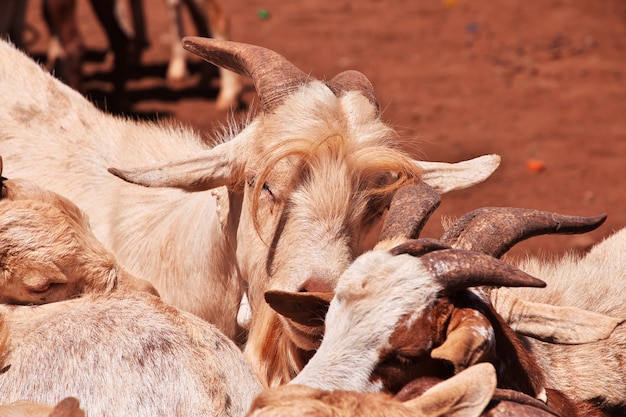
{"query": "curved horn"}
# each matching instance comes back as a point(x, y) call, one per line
point(419, 247)
point(457, 269)
point(409, 210)
point(274, 77)
point(306, 308)
point(494, 230)
point(353, 81)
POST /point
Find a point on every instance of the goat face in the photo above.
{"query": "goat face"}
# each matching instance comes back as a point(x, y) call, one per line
point(380, 302)
point(48, 252)
point(313, 173)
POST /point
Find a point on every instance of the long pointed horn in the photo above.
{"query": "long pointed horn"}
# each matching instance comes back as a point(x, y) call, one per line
point(494, 230)
point(353, 81)
point(457, 269)
point(409, 210)
point(274, 77)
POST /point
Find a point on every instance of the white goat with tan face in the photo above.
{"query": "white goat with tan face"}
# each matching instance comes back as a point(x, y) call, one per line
point(285, 202)
point(48, 252)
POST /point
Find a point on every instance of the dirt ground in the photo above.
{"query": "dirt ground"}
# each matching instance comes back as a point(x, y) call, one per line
point(523, 79)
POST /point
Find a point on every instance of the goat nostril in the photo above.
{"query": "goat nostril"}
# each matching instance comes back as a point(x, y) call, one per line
point(316, 285)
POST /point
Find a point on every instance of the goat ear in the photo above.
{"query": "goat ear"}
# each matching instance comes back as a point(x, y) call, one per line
point(68, 407)
point(464, 395)
point(554, 324)
point(213, 168)
point(445, 177)
point(306, 308)
point(470, 339)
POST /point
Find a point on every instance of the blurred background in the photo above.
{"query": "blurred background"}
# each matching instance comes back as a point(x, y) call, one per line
point(543, 84)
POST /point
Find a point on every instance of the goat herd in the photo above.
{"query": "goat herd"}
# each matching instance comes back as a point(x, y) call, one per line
point(279, 272)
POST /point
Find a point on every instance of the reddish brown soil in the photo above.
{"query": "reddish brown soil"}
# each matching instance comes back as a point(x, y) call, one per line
point(524, 79)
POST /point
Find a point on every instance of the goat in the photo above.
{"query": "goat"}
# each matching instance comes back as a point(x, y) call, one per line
point(593, 282)
point(48, 252)
point(310, 174)
point(466, 394)
point(210, 20)
point(431, 325)
point(127, 38)
point(68, 407)
point(12, 20)
point(590, 283)
point(123, 354)
point(513, 225)
point(472, 392)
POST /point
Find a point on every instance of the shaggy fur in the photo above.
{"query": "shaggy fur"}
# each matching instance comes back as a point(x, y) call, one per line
point(592, 371)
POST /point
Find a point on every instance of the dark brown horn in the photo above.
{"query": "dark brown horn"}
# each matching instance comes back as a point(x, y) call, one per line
point(518, 401)
point(457, 269)
point(495, 230)
point(419, 247)
point(353, 81)
point(306, 308)
point(409, 210)
point(274, 77)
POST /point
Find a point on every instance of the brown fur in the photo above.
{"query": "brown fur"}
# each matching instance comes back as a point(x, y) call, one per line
point(48, 252)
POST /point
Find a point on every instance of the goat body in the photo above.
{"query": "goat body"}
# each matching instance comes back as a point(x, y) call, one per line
point(123, 355)
point(418, 333)
point(591, 371)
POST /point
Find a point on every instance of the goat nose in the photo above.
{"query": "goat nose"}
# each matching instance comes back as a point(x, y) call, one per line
point(314, 284)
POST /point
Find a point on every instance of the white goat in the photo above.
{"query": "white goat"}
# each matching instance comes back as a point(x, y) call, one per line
point(596, 283)
point(124, 355)
point(285, 202)
point(582, 303)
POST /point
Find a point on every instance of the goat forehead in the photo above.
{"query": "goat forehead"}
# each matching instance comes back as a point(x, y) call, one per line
point(378, 275)
point(377, 291)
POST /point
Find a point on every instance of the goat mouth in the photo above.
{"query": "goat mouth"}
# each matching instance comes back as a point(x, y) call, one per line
point(305, 337)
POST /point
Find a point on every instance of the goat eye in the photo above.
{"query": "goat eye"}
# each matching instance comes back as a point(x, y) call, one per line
point(267, 189)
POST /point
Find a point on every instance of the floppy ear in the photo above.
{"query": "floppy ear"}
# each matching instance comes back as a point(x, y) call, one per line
point(464, 395)
point(554, 324)
point(221, 165)
point(445, 177)
point(470, 340)
point(306, 308)
point(68, 407)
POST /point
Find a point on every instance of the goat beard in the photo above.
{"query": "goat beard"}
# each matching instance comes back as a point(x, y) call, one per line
point(307, 338)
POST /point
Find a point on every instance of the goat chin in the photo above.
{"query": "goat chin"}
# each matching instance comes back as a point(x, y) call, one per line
point(304, 337)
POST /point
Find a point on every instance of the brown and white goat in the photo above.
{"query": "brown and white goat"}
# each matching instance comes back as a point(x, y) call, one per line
point(431, 324)
point(123, 354)
point(48, 252)
point(285, 202)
